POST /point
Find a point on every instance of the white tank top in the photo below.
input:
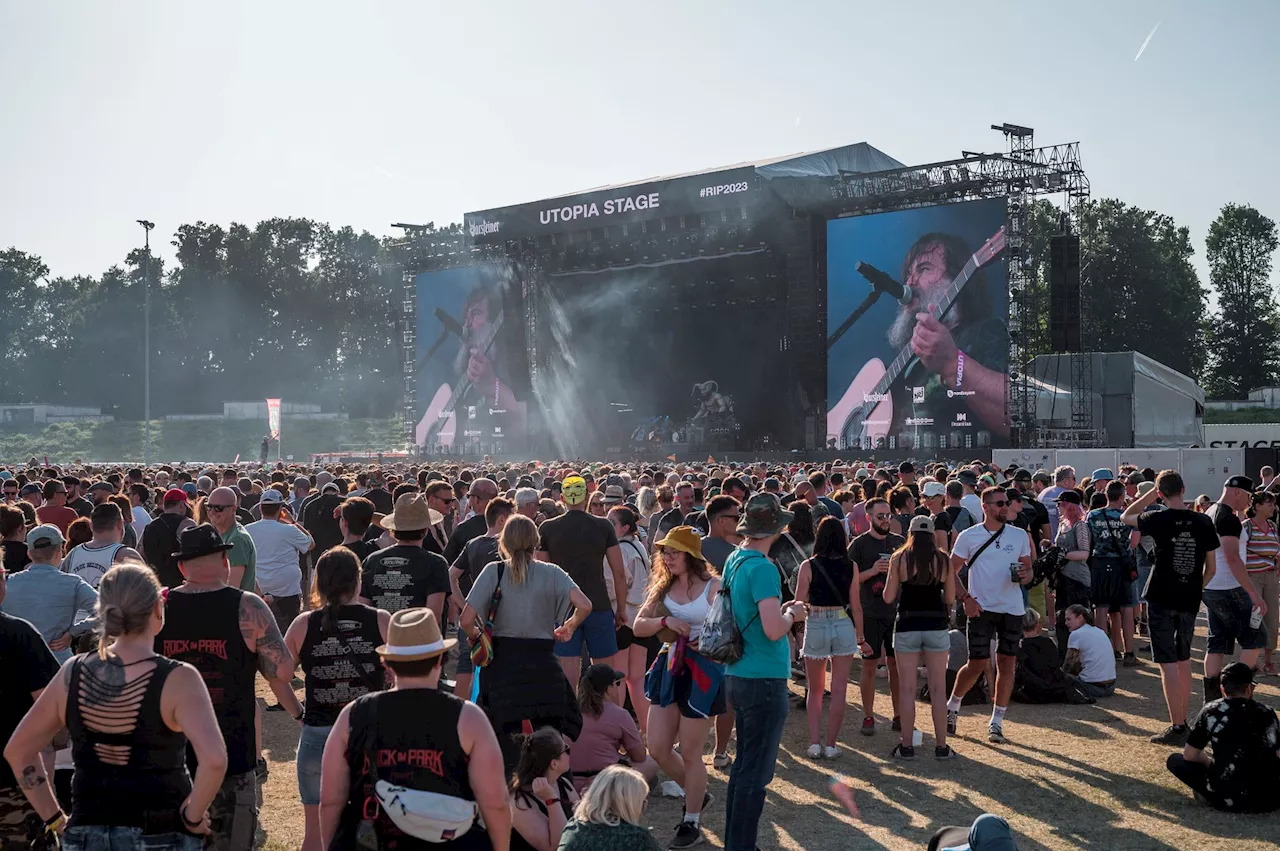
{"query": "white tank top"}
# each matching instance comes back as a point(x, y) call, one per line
point(691, 613)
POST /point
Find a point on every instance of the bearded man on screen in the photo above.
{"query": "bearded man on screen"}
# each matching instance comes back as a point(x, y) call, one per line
point(963, 355)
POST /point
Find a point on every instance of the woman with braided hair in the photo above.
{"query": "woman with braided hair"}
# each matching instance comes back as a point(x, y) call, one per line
point(337, 644)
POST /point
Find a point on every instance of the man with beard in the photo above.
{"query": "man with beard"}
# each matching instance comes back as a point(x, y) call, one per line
point(963, 355)
point(490, 410)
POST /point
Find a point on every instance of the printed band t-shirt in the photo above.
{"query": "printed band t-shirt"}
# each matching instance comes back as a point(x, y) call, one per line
point(403, 577)
point(1182, 538)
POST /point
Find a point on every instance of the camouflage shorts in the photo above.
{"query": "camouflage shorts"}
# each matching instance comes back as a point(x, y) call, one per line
point(19, 823)
point(233, 815)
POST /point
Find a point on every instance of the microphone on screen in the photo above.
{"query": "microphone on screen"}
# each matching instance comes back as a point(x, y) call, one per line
point(882, 282)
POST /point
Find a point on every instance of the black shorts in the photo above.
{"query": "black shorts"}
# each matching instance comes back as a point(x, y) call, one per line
point(1005, 629)
point(1111, 586)
point(1171, 633)
point(878, 632)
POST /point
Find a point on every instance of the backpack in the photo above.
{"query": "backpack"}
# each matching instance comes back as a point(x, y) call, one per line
point(721, 640)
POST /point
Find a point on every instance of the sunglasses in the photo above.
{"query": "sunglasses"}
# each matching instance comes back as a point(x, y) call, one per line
point(217, 507)
point(998, 503)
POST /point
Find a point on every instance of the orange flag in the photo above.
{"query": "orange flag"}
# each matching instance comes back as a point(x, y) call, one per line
point(671, 457)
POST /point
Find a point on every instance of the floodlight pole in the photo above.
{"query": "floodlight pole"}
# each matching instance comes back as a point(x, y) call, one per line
point(146, 338)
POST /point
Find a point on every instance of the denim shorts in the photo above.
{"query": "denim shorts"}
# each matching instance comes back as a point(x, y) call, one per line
point(93, 837)
point(597, 631)
point(310, 753)
point(1171, 634)
point(922, 640)
point(1229, 613)
point(827, 633)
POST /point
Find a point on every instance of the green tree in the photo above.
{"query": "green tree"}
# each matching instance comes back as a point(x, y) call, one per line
point(1244, 336)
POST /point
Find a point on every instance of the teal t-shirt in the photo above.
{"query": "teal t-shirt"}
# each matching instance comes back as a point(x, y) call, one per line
point(751, 577)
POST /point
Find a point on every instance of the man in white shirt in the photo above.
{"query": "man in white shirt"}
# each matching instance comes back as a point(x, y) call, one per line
point(971, 501)
point(278, 542)
point(1090, 664)
point(999, 560)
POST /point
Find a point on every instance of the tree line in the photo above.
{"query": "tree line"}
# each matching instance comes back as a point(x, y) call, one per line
point(308, 311)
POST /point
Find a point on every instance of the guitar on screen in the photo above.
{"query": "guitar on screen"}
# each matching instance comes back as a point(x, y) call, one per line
point(864, 413)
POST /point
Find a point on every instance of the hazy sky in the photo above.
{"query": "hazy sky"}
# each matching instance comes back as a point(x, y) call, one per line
point(366, 113)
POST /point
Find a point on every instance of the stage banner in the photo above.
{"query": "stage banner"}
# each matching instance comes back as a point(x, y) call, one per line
point(926, 366)
point(656, 199)
point(273, 418)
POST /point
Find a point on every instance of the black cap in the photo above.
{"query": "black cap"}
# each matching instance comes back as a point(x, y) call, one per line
point(202, 540)
point(601, 676)
point(1072, 497)
point(1243, 482)
point(1237, 674)
point(1022, 475)
point(906, 467)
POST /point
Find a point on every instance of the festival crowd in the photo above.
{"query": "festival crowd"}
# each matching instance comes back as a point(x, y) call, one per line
point(512, 656)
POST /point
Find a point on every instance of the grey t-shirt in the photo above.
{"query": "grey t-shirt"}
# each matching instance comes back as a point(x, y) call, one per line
point(715, 551)
point(531, 609)
point(1069, 540)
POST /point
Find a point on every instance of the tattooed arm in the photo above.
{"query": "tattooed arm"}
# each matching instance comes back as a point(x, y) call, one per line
point(275, 662)
point(36, 730)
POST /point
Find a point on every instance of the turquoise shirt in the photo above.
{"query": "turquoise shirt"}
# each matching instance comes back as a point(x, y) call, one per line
point(751, 577)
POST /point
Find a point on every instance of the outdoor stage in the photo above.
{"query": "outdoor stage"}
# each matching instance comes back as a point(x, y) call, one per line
point(738, 310)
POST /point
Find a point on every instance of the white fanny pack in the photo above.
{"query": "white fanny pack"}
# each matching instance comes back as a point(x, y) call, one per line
point(429, 816)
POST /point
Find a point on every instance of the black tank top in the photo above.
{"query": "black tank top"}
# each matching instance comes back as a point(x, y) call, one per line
point(412, 736)
point(840, 570)
point(340, 666)
point(137, 768)
point(526, 800)
point(921, 607)
point(203, 630)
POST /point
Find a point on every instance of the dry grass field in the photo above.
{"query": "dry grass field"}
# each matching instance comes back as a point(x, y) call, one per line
point(1071, 777)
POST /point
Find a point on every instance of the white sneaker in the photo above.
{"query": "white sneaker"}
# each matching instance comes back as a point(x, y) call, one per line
point(830, 752)
point(815, 751)
point(721, 761)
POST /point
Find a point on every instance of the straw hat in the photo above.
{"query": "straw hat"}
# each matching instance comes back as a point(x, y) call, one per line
point(411, 514)
point(414, 635)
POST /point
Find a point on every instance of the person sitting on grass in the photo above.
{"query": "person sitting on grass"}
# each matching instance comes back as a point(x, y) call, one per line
point(1244, 736)
point(609, 733)
point(608, 816)
point(1090, 663)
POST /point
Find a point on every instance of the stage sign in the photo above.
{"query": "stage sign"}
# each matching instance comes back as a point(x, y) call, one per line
point(656, 199)
point(465, 361)
point(928, 367)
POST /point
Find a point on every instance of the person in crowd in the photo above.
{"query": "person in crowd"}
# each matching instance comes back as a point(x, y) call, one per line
point(1229, 596)
point(1183, 540)
point(29, 667)
point(1144, 554)
point(1073, 540)
point(581, 544)
point(1089, 661)
point(988, 832)
point(319, 516)
point(609, 733)
point(795, 544)
point(1202, 503)
point(874, 618)
point(54, 510)
point(277, 543)
point(79, 532)
point(481, 491)
point(542, 793)
point(1064, 479)
point(672, 515)
point(685, 689)
point(131, 714)
point(827, 586)
point(406, 575)
point(13, 533)
point(355, 519)
point(922, 584)
point(757, 682)
point(55, 603)
point(475, 556)
point(219, 511)
point(384, 735)
point(636, 658)
point(160, 539)
point(1113, 568)
point(607, 817)
point(227, 634)
point(336, 645)
point(999, 563)
point(1244, 736)
point(1262, 551)
point(523, 681)
point(723, 512)
point(1038, 677)
point(126, 506)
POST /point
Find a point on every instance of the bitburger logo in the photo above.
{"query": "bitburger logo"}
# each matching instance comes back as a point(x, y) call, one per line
point(483, 228)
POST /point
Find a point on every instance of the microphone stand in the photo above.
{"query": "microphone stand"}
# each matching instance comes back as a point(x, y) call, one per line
point(853, 317)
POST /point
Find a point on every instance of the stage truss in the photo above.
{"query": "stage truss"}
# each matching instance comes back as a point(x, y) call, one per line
point(1021, 174)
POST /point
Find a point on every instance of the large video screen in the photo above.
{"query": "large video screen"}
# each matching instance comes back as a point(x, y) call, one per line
point(927, 365)
point(468, 372)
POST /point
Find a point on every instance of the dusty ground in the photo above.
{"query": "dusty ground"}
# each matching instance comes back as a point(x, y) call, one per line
point(1070, 778)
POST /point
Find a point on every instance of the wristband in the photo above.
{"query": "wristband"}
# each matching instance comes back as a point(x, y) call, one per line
point(182, 813)
point(56, 822)
point(550, 801)
point(663, 623)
